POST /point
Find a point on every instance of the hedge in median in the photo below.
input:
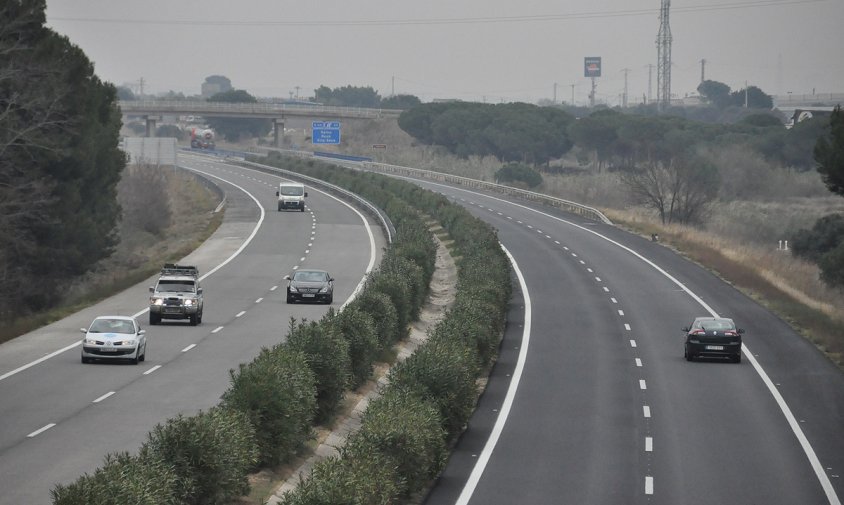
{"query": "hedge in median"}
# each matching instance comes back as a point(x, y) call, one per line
point(122, 479)
point(277, 392)
point(327, 353)
point(358, 329)
point(211, 453)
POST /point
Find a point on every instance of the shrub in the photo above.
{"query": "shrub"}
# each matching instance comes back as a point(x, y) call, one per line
point(832, 267)
point(825, 235)
point(521, 175)
point(210, 453)
point(368, 480)
point(122, 479)
point(277, 392)
point(398, 289)
point(381, 310)
point(327, 354)
point(443, 372)
point(405, 430)
point(142, 193)
point(358, 329)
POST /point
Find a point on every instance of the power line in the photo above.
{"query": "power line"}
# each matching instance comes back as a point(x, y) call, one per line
point(446, 21)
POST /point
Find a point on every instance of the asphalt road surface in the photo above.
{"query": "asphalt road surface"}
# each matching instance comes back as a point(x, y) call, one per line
point(60, 417)
point(592, 401)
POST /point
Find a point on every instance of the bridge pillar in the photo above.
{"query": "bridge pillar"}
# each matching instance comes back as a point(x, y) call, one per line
point(278, 125)
point(151, 122)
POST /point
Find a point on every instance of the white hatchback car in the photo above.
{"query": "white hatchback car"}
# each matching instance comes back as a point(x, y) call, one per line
point(114, 337)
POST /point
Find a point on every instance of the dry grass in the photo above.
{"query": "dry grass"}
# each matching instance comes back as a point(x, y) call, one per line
point(139, 254)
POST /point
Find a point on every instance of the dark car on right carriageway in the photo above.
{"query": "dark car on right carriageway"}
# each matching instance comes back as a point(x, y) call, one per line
point(713, 337)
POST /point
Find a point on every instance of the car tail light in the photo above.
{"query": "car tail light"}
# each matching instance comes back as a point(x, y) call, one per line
point(698, 332)
point(730, 334)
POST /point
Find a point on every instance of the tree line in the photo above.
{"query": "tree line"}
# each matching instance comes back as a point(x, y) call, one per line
point(59, 161)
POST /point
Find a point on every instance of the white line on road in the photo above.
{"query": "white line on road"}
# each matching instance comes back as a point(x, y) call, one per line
point(620, 312)
point(188, 348)
point(638, 362)
point(40, 431)
point(646, 411)
point(273, 288)
point(649, 485)
point(626, 326)
point(39, 360)
point(217, 329)
point(156, 367)
point(614, 300)
point(240, 313)
point(482, 461)
point(649, 444)
point(606, 289)
point(259, 300)
point(103, 397)
point(642, 384)
point(632, 343)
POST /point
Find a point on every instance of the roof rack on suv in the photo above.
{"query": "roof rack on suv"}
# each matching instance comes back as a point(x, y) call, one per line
point(174, 269)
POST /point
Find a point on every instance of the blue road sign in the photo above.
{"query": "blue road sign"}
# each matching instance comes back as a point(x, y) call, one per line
point(325, 132)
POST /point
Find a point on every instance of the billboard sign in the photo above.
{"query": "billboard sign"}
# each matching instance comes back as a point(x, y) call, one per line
point(592, 66)
point(325, 132)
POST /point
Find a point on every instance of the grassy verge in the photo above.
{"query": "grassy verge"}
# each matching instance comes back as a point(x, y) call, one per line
point(819, 322)
point(139, 255)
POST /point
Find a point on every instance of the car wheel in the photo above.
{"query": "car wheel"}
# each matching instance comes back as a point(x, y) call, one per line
point(689, 356)
point(193, 320)
point(199, 317)
point(85, 360)
point(330, 300)
point(144, 355)
point(302, 208)
point(279, 207)
point(289, 299)
point(137, 358)
point(154, 318)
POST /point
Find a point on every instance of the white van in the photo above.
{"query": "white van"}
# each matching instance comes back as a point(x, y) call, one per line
point(291, 195)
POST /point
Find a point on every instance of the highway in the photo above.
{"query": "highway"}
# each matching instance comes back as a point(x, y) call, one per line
point(60, 417)
point(592, 402)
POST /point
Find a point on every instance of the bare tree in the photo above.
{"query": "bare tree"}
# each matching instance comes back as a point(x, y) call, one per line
point(679, 190)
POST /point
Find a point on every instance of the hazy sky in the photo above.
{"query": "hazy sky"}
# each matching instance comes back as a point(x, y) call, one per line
point(490, 50)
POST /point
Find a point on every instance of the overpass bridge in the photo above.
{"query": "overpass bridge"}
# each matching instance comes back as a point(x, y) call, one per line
point(152, 110)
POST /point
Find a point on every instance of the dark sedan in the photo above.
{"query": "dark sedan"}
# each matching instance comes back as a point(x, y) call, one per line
point(713, 337)
point(311, 286)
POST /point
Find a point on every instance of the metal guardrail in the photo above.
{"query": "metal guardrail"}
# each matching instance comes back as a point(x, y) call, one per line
point(416, 173)
point(262, 110)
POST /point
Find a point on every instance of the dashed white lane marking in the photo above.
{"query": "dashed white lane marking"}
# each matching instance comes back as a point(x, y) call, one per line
point(632, 343)
point(649, 444)
point(529, 226)
point(626, 326)
point(188, 348)
point(589, 270)
point(259, 300)
point(614, 300)
point(240, 313)
point(620, 312)
point(606, 289)
point(565, 248)
point(639, 362)
point(598, 279)
point(642, 384)
point(307, 251)
point(156, 367)
point(273, 288)
point(301, 259)
point(573, 254)
point(103, 397)
point(217, 329)
point(500, 213)
point(508, 217)
point(649, 485)
point(40, 430)
point(557, 242)
point(548, 236)
point(582, 262)
point(646, 410)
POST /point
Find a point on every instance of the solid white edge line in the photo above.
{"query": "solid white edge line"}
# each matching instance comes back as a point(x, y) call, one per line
point(156, 367)
point(40, 430)
point(798, 432)
point(39, 360)
point(480, 465)
point(103, 397)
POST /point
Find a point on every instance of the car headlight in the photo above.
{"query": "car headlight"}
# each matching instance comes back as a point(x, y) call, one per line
point(127, 342)
point(156, 301)
point(324, 289)
point(188, 302)
point(292, 289)
point(90, 341)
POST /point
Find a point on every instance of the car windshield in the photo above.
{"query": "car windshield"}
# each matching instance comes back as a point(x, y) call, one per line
point(112, 326)
point(304, 275)
point(292, 190)
point(165, 286)
point(715, 324)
